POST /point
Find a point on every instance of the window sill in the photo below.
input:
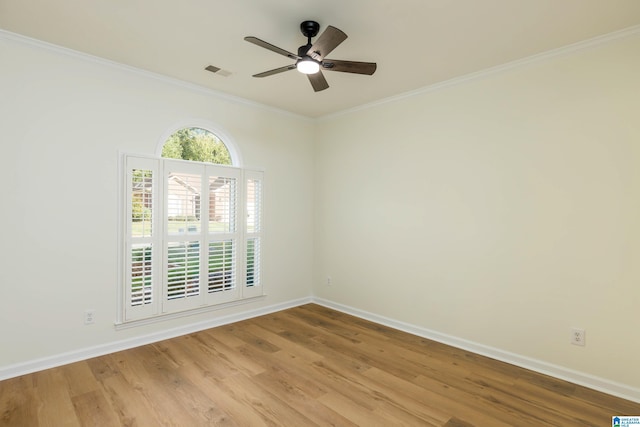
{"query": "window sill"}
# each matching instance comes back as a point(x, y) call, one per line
point(169, 316)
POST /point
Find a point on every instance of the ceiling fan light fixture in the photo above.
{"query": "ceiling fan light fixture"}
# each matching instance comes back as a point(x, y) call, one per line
point(308, 66)
point(310, 59)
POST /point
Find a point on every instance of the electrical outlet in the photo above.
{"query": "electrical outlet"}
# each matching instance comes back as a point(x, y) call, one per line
point(328, 280)
point(577, 336)
point(89, 316)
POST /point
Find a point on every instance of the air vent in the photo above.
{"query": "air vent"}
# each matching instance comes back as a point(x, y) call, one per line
point(218, 71)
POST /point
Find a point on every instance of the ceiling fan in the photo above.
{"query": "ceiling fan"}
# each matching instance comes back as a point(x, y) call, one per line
point(311, 58)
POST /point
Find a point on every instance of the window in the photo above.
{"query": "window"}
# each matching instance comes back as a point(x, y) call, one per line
point(194, 143)
point(193, 234)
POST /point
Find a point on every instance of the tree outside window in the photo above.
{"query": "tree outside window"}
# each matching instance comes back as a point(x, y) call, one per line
point(198, 145)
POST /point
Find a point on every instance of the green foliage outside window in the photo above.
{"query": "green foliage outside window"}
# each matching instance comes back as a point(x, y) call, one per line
point(197, 145)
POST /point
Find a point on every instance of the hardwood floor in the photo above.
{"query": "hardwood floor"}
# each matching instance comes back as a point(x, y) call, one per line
point(301, 367)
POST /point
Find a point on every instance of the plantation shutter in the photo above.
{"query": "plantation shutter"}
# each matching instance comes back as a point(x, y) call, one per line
point(141, 238)
point(253, 182)
point(193, 236)
point(222, 234)
point(201, 234)
point(183, 233)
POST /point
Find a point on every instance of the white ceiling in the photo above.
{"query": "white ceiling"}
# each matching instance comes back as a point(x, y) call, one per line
point(416, 43)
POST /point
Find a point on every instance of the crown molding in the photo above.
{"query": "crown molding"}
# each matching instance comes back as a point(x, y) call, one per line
point(518, 63)
point(39, 44)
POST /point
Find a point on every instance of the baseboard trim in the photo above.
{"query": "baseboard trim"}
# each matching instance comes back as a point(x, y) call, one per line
point(580, 378)
point(606, 386)
point(35, 365)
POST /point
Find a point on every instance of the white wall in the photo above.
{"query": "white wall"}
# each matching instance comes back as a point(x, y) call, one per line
point(63, 120)
point(502, 210)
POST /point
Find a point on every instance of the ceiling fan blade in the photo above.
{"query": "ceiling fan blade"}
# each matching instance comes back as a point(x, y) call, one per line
point(326, 42)
point(349, 66)
point(271, 47)
point(318, 81)
point(276, 71)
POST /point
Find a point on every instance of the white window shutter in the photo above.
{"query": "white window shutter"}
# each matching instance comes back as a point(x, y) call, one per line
point(142, 240)
point(223, 234)
point(183, 235)
point(253, 185)
point(193, 236)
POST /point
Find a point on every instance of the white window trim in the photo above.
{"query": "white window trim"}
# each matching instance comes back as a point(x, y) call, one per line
point(157, 313)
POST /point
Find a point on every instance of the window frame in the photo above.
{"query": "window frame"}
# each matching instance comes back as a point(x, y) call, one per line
point(161, 307)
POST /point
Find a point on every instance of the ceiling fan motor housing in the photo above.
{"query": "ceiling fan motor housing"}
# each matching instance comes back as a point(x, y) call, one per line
point(309, 28)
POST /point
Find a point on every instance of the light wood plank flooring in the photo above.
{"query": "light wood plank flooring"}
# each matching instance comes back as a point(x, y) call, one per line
point(304, 366)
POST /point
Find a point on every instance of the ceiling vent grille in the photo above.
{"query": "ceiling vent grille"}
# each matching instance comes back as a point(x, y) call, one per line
point(217, 70)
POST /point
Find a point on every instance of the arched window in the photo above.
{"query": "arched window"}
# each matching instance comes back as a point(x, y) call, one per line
point(198, 140)
point(197, 144)
point(193, 230)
